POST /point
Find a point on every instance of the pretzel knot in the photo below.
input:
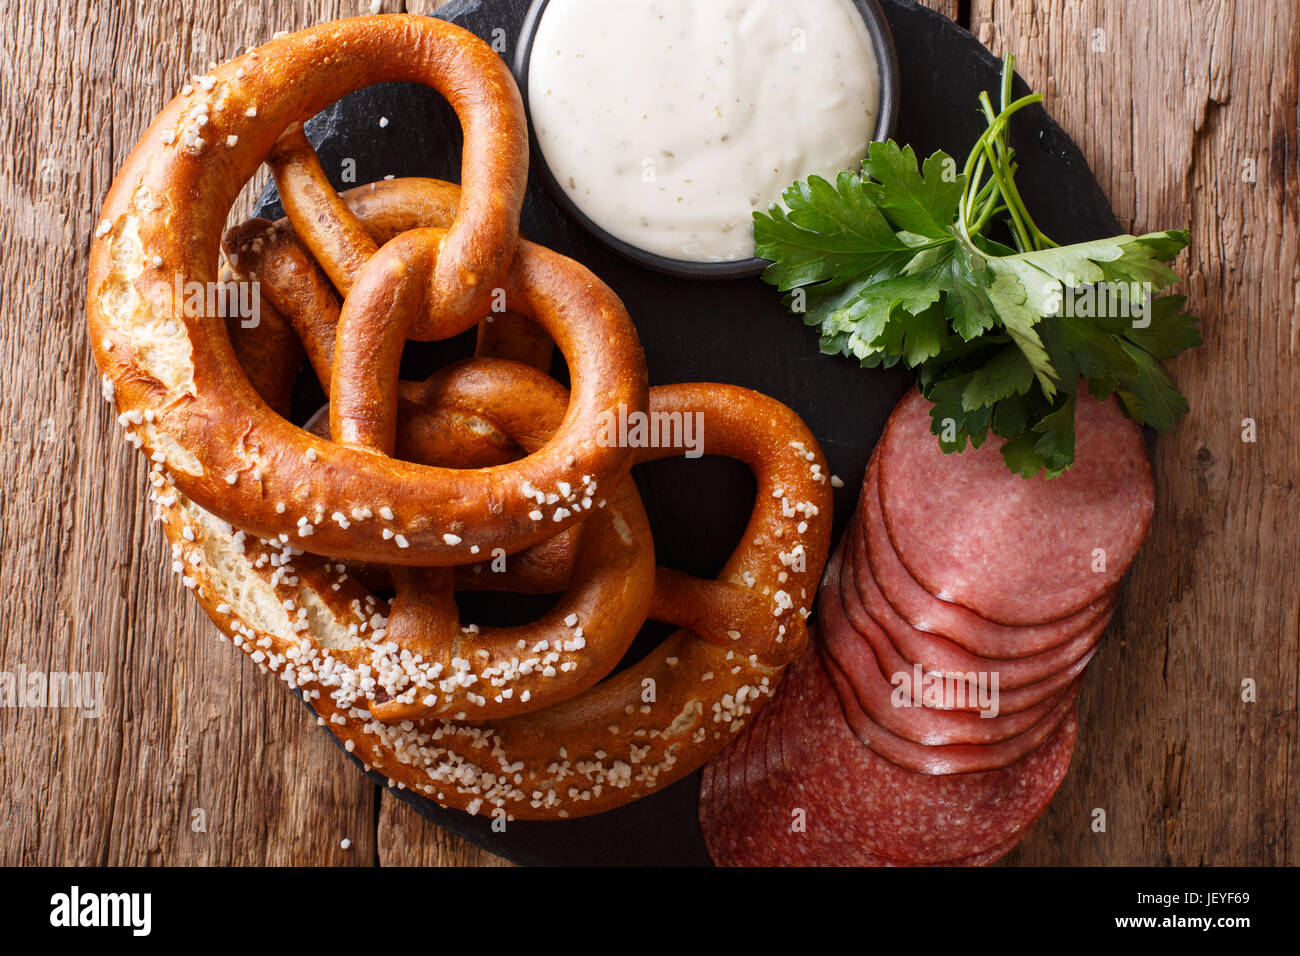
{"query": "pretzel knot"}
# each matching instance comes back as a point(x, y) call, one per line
point(488, 475)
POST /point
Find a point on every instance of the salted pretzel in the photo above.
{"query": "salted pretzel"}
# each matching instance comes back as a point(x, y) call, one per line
point(163, 219)
point(609, 588)
point(431, 482)
point(391, 209)
point(628, 736)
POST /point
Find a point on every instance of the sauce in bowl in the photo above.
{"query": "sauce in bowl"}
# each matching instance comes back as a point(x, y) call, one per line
point(667, 123)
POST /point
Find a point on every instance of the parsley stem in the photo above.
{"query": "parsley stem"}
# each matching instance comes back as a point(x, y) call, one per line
point(977, 157)
point(1008, 72)
point(1011, 193)
point(987, 202)
point(1034, 237)
point(996, 127)
point(998, 153)
point(1040, 240)
point(985, 216)
point(969, 201)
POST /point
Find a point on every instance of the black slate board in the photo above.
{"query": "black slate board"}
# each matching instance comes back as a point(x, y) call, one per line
point(734, 332)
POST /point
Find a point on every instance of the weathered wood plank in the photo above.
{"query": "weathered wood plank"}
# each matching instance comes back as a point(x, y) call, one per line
point(947, 7)
point(407, 839)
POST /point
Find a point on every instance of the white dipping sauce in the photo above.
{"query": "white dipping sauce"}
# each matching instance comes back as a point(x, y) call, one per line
point(669, 122)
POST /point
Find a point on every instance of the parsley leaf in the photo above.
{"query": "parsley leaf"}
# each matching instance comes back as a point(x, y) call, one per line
point(1165, 330)
point(1018, 317)
point(968, 305)
point(830, 234)
point(1007, 373)
point(1149, 396)
point(894, 263)
point(867, 314)
point(923, 202)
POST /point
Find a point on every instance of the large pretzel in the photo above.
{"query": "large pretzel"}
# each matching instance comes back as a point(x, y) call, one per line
point(163, 219)
point(392, 208)
point(633, 733)
point(473, 717)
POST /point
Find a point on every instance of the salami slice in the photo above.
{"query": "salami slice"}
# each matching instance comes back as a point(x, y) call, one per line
point(732, 820)
point(815, 784)
point(713, 823)
point(813, 789)
point(812, 809)
point(765, 809)
point(756, 847)
point(985, 858)
point(923, 818)
point(824, 743)
point(857, 809)
point(739, 815)
point(896, 709)
point(759, 781)
point(1016, 551)
point(1021, 682)
point(947, 758)
point(803, 775)
point(925, 612)
point(870, 812)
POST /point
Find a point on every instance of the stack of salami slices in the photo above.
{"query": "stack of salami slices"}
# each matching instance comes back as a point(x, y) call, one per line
point(935, 720)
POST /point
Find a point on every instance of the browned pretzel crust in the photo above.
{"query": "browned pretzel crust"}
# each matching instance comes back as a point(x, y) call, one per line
point(488, 475)
point(313, 623)
point(163, 219)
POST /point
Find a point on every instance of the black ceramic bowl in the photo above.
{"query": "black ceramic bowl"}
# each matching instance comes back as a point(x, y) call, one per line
point(886, 58)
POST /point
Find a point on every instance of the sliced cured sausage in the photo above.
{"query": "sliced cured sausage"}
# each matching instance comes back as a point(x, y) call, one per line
point(1013, 550)
point(1021, 683)
point(948, 758)
point(871, 812)
point(894, 708)
point(953, 567)
point(925, 819)
point(722, 837)
point(925, 612)
point(782, 791)
point(737, 813)
point(825, 800)
point(747, 774)
point(768, 805)
point(813, 777)
point(713, 823)
point(815, 784)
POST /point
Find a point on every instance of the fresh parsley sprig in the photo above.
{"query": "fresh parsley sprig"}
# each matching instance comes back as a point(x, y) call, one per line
point(894, 263)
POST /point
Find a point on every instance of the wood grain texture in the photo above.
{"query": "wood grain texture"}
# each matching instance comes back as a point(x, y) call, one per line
point(1188, 114)
point(949, 8)
point(1174, 107)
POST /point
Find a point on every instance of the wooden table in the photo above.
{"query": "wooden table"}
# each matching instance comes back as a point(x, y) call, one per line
point(1189, 115)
